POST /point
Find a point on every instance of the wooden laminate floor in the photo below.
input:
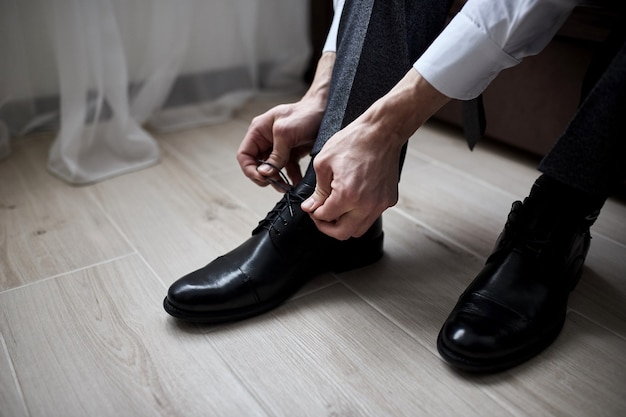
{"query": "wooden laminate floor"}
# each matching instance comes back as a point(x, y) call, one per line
point(83, 271)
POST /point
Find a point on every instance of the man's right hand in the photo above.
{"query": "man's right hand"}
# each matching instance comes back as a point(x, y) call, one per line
point(286, 133)
point(281, 137)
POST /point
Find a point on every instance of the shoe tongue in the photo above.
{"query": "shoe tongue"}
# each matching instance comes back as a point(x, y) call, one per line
point(539, 220)
point(302, 191)
point(547, 214)
point(543, 223)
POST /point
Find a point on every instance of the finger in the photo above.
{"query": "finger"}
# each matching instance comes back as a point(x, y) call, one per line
point(349, 225)
point(253, 147)
point(316, 200)
point(331, 209)
point(249, 166)
point(323, 188)
point(278, 180)
point(279, 156)
point(294, 172)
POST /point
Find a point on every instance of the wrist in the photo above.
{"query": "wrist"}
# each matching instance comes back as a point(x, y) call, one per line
point(408, 105)
point(317, 93)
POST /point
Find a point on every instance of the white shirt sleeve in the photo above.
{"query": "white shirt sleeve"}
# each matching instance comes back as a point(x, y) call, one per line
point(487, 36)
point(331, 39)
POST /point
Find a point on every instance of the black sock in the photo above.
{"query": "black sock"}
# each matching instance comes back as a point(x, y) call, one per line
point(560, 197)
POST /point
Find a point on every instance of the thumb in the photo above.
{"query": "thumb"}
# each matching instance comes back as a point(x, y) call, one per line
point(274, 163)
point(322, 190)
point(322, 187)
point(316, 200)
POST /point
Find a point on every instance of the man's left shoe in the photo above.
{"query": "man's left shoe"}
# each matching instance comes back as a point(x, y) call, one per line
point(284, 252)
point(516, 305)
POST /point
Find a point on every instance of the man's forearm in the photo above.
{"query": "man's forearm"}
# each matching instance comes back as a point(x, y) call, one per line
point(320, 86)
point(406, 107)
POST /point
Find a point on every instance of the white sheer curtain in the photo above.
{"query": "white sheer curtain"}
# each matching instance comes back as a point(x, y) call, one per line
point(98, 72)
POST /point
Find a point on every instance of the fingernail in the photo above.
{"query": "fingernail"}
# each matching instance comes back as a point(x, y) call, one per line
point(265, 169)
point(308, 203)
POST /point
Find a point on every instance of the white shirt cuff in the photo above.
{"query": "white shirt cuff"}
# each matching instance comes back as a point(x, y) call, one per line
point(463, 60)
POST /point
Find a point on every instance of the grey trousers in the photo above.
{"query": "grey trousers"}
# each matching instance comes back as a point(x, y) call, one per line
point(378, 42)
point(591, 154)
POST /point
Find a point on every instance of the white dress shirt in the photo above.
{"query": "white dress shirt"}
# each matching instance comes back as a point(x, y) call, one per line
point(484, 38)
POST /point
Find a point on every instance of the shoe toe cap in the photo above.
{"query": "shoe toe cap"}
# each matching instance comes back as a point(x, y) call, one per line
point(209, 289)
point(471, 335)
point(485, 336)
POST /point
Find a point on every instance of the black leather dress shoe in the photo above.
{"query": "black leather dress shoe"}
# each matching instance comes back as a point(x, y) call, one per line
point(516, 305)
point(284, 252)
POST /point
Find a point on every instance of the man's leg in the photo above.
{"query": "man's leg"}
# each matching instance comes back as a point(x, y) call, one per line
point(589, 156)
point(377, 44)
point(516, 306)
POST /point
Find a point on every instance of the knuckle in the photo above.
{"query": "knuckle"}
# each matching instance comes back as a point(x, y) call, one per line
point(319, 163)
point(256, 121)
point(321, 194)
point(280, 128)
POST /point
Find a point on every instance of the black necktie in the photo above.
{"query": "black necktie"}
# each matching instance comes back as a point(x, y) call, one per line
point(474, 122)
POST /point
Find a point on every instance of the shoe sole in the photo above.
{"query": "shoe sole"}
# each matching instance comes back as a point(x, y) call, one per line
point(357, 256)
point(220, 317)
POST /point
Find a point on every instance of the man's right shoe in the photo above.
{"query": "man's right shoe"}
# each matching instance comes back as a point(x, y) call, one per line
point(285, 251)
point(516, 306)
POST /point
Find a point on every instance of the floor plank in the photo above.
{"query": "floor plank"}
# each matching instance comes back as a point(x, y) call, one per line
point(10, 391)
point(416, 286)
point(601, 293)
point(98, 343)
point(468, 212)
point(177, 220)
point(418, 280)
point(47, 227)
point(508, 170)
point(83, 332)
point(210, 149)
point(581, 374)
point(611, 222)
point(492, 165)
point(329, 353)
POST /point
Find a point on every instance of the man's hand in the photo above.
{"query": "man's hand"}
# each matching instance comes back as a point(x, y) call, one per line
point(284, 134)
point(281, 137)
point(357, 179)
point(358, 168)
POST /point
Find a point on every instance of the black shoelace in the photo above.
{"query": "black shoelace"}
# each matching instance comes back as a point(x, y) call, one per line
point(285, 185)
